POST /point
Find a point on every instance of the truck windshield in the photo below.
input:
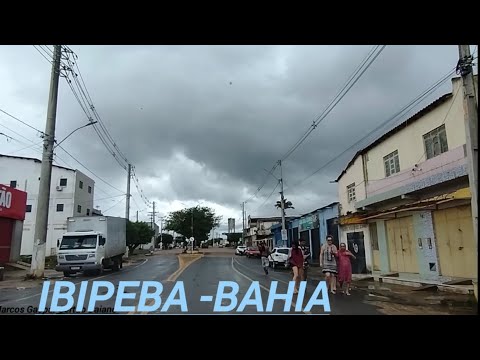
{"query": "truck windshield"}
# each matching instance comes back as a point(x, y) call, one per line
point(79, 242)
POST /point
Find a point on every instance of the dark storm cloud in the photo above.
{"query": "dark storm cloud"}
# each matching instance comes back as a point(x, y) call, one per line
point(203, 122)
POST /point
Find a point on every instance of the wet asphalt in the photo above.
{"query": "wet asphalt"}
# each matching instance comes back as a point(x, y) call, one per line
point(199, 285)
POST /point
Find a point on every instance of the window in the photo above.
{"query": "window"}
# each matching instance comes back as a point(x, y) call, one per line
point(435, 142)
point(283, 251)
point(79, 208)
point(63, 182)
point(13, 184)
point(89, 189)
point(392, 163)
point(351, 192)
point(374, 235)
point(29, 208)
point(80, 184)
point(59, 207)
point(88, 212)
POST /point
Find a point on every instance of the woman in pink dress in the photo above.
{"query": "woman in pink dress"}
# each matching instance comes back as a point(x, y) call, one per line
point(344, 267)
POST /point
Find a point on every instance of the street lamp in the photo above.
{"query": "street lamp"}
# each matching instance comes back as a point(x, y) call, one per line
point(81, 127)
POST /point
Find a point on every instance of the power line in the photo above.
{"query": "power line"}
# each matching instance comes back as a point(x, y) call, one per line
point(85, 101)
point(399, 113)
point(23, 122)
point(78, 161)
point(353, 79)
point(269, 196)
point(110, 208)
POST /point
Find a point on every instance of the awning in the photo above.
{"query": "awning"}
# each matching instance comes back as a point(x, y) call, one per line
point(431, 203)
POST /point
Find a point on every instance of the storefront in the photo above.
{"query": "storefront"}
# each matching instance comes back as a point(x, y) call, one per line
point(13, 205)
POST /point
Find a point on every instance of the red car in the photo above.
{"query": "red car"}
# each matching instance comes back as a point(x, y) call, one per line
point(252, 252)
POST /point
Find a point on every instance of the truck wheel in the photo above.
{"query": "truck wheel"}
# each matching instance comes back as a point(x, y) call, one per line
point(121, 263)
point(67, 274)
point(116, 265)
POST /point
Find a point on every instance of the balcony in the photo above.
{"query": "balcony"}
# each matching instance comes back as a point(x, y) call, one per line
point(445, 167)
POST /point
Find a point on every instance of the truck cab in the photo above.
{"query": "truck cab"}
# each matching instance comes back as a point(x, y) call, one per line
point(80, 251)
point(91, 244)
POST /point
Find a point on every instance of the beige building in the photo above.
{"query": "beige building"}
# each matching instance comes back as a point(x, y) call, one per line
point(405, 198)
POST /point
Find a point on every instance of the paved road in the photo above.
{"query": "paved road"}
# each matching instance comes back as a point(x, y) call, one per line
point(155, 268)
point(200, 278)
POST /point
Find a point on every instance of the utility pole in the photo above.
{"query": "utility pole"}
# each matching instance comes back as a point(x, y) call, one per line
point(41, 220)
point(471, 128)
point(127, 209)
point(192, 230)
point(282, 203)
point(161, 230)
point(243, 223)
point(137, 216)
point(153, 226)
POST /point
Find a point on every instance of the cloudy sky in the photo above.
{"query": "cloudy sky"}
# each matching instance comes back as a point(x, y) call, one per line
point(202, 123)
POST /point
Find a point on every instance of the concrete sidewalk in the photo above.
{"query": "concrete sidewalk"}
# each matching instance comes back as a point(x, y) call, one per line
point(401, 294)
point(16, 277)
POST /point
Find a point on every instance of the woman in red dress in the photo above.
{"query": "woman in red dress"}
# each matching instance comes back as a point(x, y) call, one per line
point(344, 267)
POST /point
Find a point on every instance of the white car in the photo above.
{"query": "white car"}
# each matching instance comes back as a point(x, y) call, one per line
point(240, 250)
point(278, 256)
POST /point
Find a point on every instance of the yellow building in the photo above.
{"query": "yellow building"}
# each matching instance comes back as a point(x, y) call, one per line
point(408, 192)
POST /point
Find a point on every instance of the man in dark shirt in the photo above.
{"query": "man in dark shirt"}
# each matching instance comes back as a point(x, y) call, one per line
point(306, 255)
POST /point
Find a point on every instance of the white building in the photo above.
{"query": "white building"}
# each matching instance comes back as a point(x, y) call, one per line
point(71, 194)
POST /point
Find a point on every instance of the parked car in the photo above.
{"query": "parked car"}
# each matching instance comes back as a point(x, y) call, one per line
point(220, 245)
point(278, 257)
point(240, 250)
point(252, 252)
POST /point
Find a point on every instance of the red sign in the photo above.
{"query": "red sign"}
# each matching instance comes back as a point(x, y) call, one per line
point(13, 203)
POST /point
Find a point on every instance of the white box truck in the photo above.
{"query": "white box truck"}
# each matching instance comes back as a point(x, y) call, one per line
point(92, 244)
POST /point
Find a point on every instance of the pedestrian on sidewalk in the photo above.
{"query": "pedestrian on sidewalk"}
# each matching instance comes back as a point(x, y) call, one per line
point(345, 267)
point(296, 259)
point(306, 256)
point(264, 253)
point(328, 263)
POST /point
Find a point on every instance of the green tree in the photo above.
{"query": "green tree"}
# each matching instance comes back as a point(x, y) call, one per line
point(203, 220)
point(138, 233)
point(165, 238)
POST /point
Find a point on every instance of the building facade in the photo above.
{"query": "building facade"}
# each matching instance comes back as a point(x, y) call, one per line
point(405, 199)
point(12, 213)
point(71, 194)
point(312, 227)
point(259, 229)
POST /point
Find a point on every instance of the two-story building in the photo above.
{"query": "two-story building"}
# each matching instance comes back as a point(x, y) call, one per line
point(71, 194)
point(405, 198)
point(259, 229)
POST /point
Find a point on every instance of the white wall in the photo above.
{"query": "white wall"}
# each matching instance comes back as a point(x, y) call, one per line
point(82, 196)
point(27, 173)
point(409, 141)
point(354, 174)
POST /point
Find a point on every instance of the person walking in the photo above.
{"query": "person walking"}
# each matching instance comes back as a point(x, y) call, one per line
point(264, 253)
point(306, 256)
point(328, 262)
point(345, 267)
point(296, 259)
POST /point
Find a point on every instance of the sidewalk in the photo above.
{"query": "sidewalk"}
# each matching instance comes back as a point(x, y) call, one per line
point(16, 278)
point(401, 294)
